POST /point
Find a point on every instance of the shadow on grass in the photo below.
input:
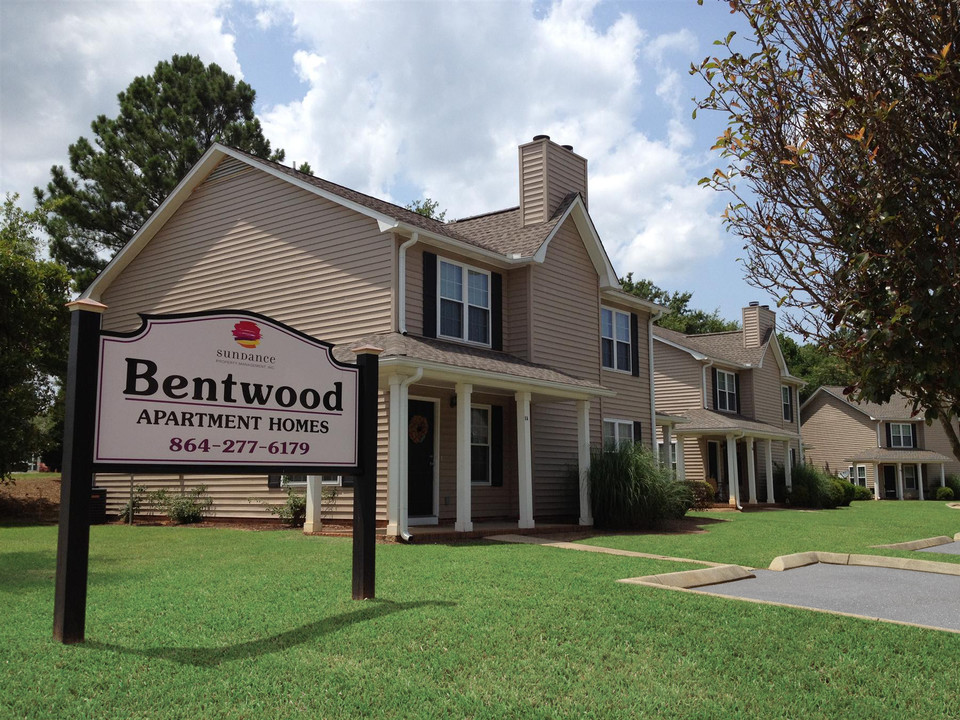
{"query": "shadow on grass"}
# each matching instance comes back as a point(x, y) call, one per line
point(27, 569)
point(211, 657)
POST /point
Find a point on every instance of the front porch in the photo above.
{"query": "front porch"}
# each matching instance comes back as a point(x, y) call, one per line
point(901, 474)
point(485, 528)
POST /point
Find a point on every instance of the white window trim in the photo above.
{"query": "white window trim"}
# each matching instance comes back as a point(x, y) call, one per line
point(629, 370)
point(788, 405)
point(913, 469)
point(727, 393)
point(673, 453)
point(467, 269)
point(489, 481)
point(908, 438)
point(331, 480)
point(617, 422)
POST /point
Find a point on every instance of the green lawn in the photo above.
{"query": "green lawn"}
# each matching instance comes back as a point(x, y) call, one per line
point(217, 623)
point(755, 538)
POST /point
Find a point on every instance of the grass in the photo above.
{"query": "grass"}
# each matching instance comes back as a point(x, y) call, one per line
point(204, 623)
point(755, 538)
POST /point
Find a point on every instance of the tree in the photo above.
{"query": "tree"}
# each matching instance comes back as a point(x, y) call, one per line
point(815, 365)
point(841, 147)
point(34, 333)
point(681, 317)
point(166, 122)
point(427, 208)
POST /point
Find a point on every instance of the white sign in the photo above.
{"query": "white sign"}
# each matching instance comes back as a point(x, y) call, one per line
point(228, 389)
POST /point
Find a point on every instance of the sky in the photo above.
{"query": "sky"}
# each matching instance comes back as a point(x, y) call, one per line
point(406, 100)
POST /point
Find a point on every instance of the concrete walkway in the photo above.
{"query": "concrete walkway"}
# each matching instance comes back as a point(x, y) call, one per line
point(923, 593)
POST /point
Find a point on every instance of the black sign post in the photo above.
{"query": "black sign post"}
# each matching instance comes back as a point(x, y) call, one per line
point(83, 455)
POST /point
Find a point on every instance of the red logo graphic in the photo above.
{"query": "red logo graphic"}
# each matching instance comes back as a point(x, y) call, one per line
point(247, 334)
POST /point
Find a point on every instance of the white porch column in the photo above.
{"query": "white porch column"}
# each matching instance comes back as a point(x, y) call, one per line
point(768, 469)
point(943, 478)
point(681, 469)
point(899, 481)
point(733, 480)
point(787, 470)
point(396, 473)
point(312, 522)
point(876, 481)
point(464, 521)
point(751, 472)
point(583, 460)
point(920, 479)
point(524, 460)
point(667, 438)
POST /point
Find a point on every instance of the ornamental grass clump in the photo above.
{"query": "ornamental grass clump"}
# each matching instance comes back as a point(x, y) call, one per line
point(630, 491)
point(813, 488)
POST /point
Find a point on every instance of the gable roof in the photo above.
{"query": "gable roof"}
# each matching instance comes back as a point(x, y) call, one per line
point(724, 346)
point(496, 237)
point(897, 408)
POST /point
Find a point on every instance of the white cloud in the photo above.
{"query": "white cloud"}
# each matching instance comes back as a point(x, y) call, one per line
point(63, 63)
point(411, 98)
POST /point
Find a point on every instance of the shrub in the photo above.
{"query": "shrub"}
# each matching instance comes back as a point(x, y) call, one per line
point(188, 507)
point(862, 493)
point(953, 482)
point(134, 503)
point(813, 488)
point(293, 512)
point(630, 491)
point(945, 493)
point(701, 492)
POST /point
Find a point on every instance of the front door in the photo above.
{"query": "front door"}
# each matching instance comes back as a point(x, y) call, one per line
point(420, 458)
point(889, 482)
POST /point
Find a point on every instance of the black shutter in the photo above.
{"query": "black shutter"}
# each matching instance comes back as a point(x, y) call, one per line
point(346, 481)
point(273, 481)
point(913, 432)
point(496, 446)
point(790, 395)
point(736, 389)
point(496, 310)
point(634, 345)
point(889, 440)
point(716, 391)
point(637, 431)
point(429, 295)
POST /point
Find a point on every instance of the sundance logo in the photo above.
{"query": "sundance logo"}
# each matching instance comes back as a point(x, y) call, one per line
point(247, 334)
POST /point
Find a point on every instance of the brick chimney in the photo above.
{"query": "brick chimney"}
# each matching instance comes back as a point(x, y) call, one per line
point(757, 319)
point(548, 173)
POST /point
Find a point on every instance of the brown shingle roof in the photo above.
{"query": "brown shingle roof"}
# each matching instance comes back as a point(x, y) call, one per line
point(701, 421)
point(499, 232)
point(461, 356)
point(721, 346)
point(898, 408)
point(891, 455)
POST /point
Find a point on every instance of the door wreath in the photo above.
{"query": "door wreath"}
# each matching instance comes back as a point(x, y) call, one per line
point(419, 427)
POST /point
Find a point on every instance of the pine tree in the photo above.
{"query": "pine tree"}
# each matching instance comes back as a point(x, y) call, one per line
point(166, 122)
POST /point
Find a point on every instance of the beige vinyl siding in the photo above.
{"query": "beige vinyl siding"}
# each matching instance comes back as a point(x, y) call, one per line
point(767, 382)
point(678, 377)
point(516, 312)
point(935, 439)
point(253, 242)
point(246, 240)
point(566, 173)
point(566, 335)
point(533, 191)
point(833, 432)
point(414, 288)
point(756, 321)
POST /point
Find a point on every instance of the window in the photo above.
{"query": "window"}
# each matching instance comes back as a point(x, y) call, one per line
point(673, 454)
point(480, 445)
point(858, 475)
point(787, 399)
point(464, 315)
point(901, 435)
point(726, 391)
point(910, 477)
point(615, 339)
point(301, 480)
point(617, 431)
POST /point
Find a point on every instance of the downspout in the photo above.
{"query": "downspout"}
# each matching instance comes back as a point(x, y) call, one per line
point(653, 390)
point(404, 464)
point(402, 291)
point(703, 382)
